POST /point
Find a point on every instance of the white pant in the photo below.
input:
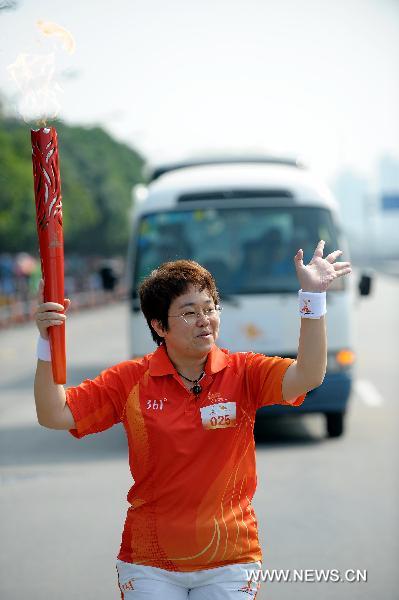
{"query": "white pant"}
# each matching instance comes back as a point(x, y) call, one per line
point(139, 582)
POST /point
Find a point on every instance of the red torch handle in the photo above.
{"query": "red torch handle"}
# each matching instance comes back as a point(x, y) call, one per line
point(48, 199)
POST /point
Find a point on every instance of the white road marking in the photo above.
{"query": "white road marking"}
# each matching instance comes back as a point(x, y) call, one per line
point(368, 393)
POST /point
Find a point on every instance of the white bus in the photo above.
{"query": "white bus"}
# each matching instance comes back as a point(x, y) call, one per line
point(244, 220)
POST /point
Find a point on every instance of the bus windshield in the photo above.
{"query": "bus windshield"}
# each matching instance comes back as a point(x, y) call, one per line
point(248, 250)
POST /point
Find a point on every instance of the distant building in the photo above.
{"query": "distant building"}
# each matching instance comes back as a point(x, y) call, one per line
point(388, 207)
point(370, 211)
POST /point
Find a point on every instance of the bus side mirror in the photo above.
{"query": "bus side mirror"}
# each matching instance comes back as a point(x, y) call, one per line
point(365, 285)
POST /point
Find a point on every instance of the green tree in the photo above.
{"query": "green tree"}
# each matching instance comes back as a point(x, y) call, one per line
point(97, 175)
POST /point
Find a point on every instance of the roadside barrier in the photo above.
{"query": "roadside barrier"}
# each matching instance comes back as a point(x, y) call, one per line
point(21, 311)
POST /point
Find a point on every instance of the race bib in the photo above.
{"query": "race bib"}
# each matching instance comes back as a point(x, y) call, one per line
point(219, 416)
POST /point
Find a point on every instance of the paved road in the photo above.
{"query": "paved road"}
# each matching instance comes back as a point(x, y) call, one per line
point(321, 504)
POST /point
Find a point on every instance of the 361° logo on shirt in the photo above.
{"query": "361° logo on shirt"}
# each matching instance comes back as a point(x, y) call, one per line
point(156, 404)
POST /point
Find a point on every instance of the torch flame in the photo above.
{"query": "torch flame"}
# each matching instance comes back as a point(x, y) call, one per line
point(49, 28)
point(34, 76)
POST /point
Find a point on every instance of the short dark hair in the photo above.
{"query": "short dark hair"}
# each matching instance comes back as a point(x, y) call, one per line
point(167, 282)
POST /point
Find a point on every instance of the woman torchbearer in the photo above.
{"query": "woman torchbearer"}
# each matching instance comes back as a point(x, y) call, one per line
point(188, 410)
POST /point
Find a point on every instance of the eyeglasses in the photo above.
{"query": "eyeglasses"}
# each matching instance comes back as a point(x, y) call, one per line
point(191, 317)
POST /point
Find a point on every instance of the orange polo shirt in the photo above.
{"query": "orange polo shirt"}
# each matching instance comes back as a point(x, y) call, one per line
point(192, 460)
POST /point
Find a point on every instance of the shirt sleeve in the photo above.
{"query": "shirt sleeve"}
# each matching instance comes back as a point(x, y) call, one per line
point(265, 379)
point(98, 404)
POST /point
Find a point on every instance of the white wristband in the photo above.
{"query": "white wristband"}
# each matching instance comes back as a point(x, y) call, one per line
point(43, 349)
point(312, 305)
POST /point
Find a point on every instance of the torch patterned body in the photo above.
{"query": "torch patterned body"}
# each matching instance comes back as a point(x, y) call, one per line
point(48, 199)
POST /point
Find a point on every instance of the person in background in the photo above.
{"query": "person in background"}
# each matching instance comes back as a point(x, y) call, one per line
point(108, 277)
point(188, 410)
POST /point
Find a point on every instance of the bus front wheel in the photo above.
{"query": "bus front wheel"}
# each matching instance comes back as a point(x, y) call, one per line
point(335, 424)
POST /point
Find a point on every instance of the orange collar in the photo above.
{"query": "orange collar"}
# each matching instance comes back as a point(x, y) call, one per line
point(160, 363)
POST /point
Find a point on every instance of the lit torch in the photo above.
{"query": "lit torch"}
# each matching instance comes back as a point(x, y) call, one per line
point(34, 76)
point(48, 200)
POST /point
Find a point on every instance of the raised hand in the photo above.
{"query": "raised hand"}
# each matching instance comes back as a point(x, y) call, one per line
point(318, 275)
point(49, 313)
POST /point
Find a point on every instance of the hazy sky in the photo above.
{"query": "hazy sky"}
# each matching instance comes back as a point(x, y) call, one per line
point(314, 78)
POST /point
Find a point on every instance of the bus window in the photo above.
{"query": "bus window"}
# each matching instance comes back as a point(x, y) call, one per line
point(249, 250)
